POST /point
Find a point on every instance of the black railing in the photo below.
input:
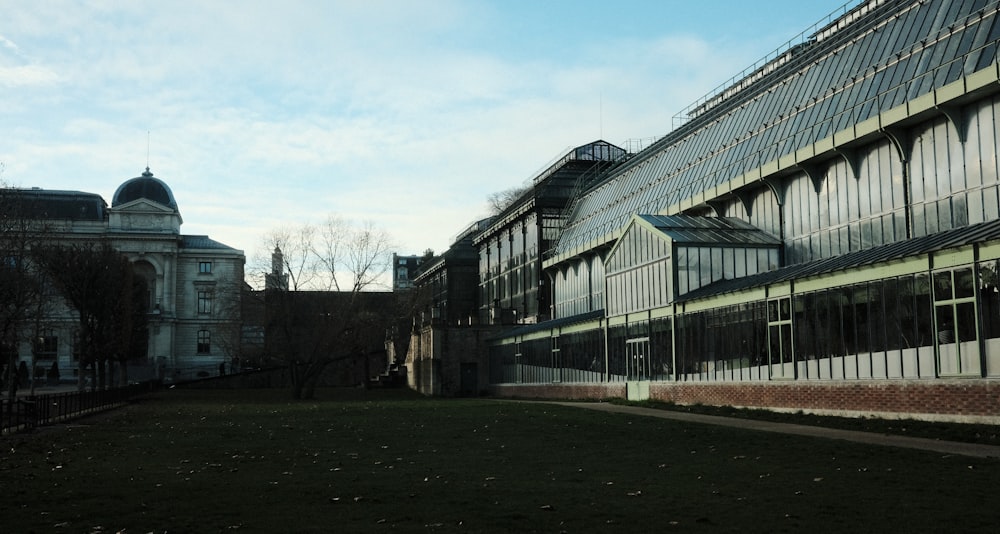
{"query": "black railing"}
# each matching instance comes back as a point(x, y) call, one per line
point(28, 412)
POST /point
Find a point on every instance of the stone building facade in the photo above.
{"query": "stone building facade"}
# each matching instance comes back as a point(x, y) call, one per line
point(194, 282)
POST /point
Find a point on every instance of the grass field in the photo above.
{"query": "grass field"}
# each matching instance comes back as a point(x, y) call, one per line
point(355, 461)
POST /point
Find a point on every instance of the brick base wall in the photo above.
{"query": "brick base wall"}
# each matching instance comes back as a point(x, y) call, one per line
point(560, 391)
point(959, 400)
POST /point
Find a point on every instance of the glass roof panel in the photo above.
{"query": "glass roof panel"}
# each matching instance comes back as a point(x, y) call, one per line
point(892, 53)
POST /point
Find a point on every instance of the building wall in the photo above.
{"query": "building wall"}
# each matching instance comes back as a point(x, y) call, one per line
point(422, 368)
point(222, 318)
point(887, 330)
point(587, 391)
point(509, 269)
point(449, 361)
point(404, 269)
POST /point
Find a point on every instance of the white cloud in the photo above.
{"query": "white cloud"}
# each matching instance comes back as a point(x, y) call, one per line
point(27, 76)
point(8, 44)
point(263, 113)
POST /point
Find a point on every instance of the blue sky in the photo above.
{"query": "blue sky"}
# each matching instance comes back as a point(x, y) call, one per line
point(405, 113)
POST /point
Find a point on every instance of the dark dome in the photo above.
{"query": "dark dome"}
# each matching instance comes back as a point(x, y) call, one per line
point(147, 187)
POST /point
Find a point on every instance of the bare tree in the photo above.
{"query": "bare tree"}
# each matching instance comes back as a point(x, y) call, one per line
point(100, 288)
point(501, 200)
point(22, 305)
point(327, 314)
point(331, 248)
point(232, 295)
point(296, 245)
point(336, 255)
point(353, 258)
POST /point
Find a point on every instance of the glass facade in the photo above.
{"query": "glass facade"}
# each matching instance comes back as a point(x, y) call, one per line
point(659, 259)
point(568, 357)
point(509, 272)
point(913, 326)
point(888, 58)
point(858, 142)
point(510, 250)
point(639, 272)
point(579, 288)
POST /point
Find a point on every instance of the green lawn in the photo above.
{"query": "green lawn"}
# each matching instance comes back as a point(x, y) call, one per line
point(254, 461)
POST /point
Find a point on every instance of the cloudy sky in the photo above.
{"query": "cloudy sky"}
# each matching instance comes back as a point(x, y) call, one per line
point(405, 113)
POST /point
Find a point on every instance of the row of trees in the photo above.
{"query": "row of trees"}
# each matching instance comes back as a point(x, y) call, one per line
point(44, 284)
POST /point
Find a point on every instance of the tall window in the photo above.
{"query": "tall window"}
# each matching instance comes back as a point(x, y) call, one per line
point(205, 267)
point(955, 315)
point(204, 302)
point(47, 345)
point(779, 322)
point(77, 345)
point(204, 342)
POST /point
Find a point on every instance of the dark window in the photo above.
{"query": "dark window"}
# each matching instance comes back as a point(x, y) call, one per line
point(205, 267)
point(204, 302)
point(47, 345)
point(77, 345)
point(204, 342)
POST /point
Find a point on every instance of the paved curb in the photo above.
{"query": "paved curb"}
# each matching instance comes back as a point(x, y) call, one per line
point(945, 447)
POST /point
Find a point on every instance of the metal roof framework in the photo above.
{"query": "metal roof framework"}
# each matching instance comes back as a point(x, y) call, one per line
point(885, 58)
point(949, 239)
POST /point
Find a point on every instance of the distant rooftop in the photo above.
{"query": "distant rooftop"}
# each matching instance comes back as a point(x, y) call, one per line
point(145, 186)
point(202, 242)
point(37, 203)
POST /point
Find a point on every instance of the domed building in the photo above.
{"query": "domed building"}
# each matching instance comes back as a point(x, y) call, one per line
point(194, 283)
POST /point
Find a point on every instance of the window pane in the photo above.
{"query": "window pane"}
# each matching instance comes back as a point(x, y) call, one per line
point(965, 281)
point(945, 324)
point(922, 296)
point(989, 290)
point(965, 316)
point(877, 306)
point(942, 286)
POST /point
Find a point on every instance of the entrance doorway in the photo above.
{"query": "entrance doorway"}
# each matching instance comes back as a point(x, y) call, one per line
point(637, 364)
point(469, 379)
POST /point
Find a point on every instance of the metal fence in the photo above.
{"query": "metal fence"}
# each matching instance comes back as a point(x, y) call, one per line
point(27, 412)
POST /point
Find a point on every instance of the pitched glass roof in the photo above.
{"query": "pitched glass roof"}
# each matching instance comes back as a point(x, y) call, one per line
point(958, 237)
point(710, 230)
point(890, 52)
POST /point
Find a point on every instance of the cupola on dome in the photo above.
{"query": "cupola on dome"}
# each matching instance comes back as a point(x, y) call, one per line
point(147, 187)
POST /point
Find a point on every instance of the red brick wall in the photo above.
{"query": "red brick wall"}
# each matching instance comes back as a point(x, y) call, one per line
point(970, 400)
point(578, 390)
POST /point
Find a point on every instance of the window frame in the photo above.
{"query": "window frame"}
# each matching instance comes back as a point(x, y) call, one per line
point(204, 302)
point(204, 342)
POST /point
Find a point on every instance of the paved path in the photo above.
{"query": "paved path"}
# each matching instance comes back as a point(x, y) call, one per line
point(872, 438)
